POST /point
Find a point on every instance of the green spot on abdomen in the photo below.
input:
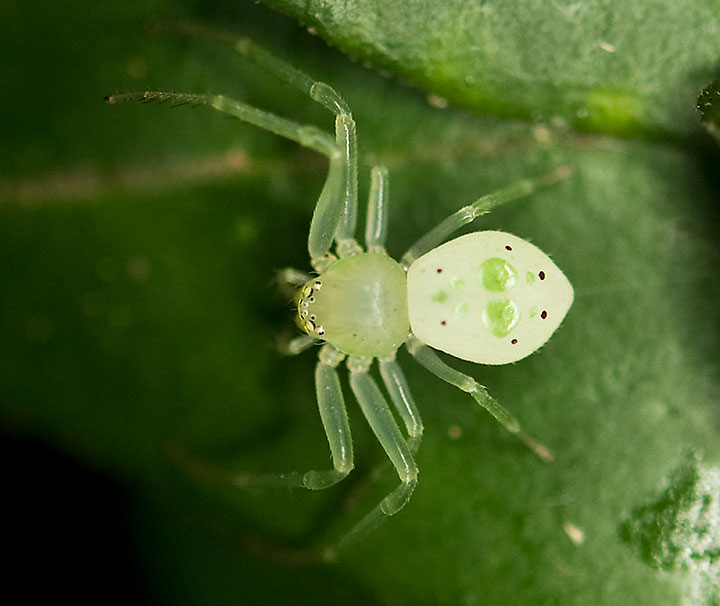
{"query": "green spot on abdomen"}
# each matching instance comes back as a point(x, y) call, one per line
point(501, 317)
point(497, 275)
point(457, 282)
point(530, 277)
point(461, 309)
point(439, 296)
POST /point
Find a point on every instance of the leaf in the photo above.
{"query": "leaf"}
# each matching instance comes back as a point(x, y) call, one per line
point(621, 68)
point(709, 107)
point(680, 530)
point(139, 314)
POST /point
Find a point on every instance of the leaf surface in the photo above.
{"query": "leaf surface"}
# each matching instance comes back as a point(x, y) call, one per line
point(139, 313)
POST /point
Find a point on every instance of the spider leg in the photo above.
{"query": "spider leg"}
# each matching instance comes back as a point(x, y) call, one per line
point(296, 345)
point(399, 390)
point(430, 360)
point(337, 429)
point(385, 428)
point(291, 277)
point(481, 206)
point(377, 211)
point(335, 214)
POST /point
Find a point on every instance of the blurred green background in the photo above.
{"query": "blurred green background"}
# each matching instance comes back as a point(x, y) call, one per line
point(139, 313)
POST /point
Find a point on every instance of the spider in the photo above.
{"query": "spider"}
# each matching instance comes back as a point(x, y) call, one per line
point(488, 297)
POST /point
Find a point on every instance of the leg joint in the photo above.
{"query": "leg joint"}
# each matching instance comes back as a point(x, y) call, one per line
point(330, 356)
point(469, 385)
point(398, 498)
point(318, 480)
point(327, 97)
point(357, 364)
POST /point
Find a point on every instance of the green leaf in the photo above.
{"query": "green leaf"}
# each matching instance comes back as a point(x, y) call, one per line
point(709, 106)
point(617, 67)
point(681, 529)
point(139, 314)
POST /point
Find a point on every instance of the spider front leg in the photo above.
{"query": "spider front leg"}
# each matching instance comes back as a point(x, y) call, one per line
point(337, 429)
point(335, 213)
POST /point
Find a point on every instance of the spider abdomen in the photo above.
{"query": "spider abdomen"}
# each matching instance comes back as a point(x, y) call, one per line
point(488, 297)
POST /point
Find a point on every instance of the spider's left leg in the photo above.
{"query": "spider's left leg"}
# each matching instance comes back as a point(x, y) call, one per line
point(430, 360)
point(377, 211)
point(335, 214)
point(385, 428)
point(481, 206)
point(292, 278)
point(296, 345)
point(336, 209)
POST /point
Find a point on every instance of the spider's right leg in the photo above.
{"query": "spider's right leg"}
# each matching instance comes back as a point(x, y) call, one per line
point(387, 432)
point(430, 360)
point(337, 429)
point(399, 391)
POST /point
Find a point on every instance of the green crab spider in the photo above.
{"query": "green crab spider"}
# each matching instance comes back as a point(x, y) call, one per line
point(488, 297)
